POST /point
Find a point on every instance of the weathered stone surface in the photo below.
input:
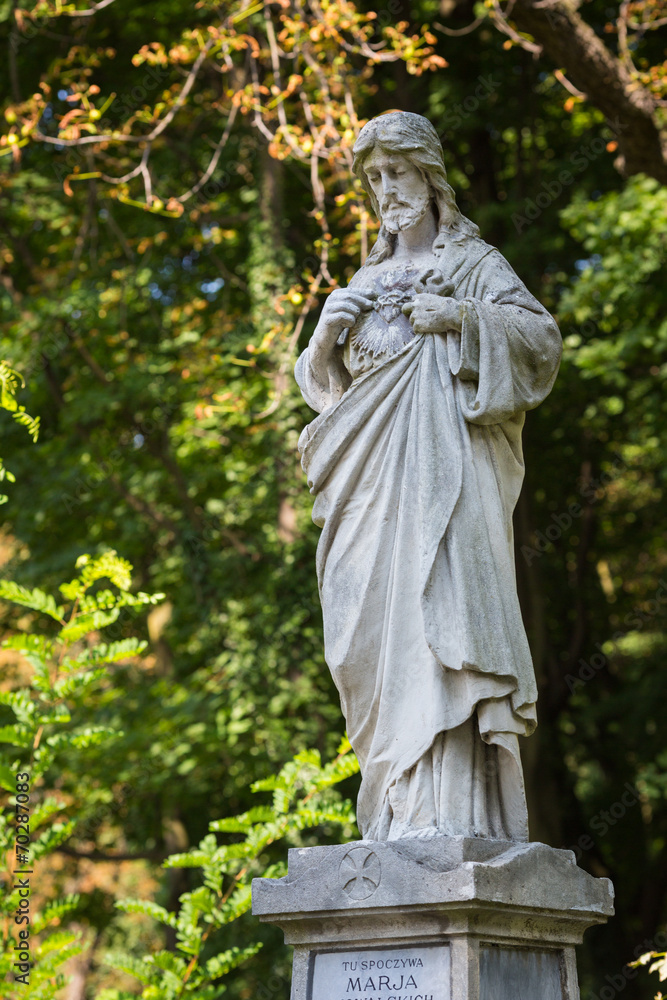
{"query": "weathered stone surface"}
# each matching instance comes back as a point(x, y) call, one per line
point(422, 370)
point(519, 974)
point(437, 871)
point(508, 915)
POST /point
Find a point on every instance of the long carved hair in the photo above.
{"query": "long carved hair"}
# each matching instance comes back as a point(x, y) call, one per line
point(415, 138)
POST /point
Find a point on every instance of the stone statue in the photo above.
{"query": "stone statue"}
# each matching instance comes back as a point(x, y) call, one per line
point(421, 371)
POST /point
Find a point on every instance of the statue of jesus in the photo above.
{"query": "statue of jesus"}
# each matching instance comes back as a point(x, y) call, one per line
point(421, 371)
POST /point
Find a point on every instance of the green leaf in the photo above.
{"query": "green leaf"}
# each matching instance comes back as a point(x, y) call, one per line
point(42, 811)
point(39, 646)
point(20, 703)
point(7, 778)
point(169, 962)
point(241, 824)
point(90, 621)
point(238, 903)
point(107, 653)
point(55, 910)
point(51, 838)
point(18, 736)
point(56, 942)
point(223, 963)
point(35, 599)
point(106, 566)
point(78, 684)
point(91, 736)
point(148, 908)
point(131, 965)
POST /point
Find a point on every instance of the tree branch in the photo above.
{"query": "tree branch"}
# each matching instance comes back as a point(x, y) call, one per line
point(569, 42)
point(89, 11)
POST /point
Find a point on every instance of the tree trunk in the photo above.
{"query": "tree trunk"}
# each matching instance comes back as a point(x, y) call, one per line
point(569, 42)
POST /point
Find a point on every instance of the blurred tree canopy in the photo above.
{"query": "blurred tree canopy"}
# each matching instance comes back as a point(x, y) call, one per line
point(175, 201)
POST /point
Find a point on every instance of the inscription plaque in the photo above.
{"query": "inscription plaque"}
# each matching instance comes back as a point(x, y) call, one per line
point(420, 972)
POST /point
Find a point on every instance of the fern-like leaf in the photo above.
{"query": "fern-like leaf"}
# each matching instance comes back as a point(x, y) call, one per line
point(148, 908)
point(55, 910)
point(223, 963)
point(131, 965)
point(35, 599)
point(241, 824)
point(89, 621)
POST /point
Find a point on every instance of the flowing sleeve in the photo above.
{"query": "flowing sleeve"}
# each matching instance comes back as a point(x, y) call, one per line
point(509, 350)
point(322, 388)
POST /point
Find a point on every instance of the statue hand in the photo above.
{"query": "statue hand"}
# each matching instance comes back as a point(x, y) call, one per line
point(434, 313)
point(342, 309)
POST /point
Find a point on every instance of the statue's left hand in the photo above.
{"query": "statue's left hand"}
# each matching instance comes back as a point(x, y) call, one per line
point(434, 313)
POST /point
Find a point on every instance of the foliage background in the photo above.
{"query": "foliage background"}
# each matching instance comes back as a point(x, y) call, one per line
point(175, 200)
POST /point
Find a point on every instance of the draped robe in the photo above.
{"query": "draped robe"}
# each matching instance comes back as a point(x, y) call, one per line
point(416, 465)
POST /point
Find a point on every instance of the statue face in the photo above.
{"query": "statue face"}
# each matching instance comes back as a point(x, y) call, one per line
point(402, 192)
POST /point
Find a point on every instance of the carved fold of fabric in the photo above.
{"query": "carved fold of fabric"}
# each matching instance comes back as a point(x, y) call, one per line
point(325, 391)
point(461, 786)
point(406, 569)
point(510, 347)
point(416, 470)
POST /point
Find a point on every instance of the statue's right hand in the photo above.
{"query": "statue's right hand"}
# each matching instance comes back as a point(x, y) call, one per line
point(341, 310)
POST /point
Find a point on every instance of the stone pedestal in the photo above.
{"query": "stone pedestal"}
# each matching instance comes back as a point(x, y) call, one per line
point(448, 918)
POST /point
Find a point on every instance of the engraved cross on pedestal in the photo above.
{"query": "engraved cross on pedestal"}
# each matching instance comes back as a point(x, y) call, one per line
point(360, 873)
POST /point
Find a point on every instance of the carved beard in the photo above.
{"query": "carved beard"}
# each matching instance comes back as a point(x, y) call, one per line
point(398, 215)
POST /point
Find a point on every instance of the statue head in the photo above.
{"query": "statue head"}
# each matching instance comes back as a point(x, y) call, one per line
point(407, 148)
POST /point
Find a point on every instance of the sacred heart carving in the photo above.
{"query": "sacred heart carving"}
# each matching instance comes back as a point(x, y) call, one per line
point(385, 330)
